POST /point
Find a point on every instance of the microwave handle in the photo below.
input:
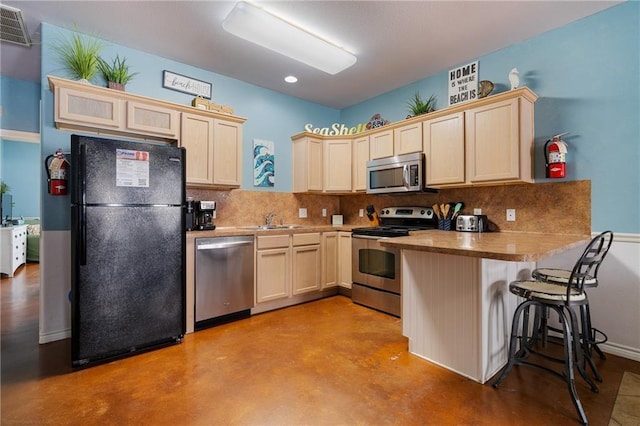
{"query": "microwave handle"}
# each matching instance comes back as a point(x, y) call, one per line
point(405, 176)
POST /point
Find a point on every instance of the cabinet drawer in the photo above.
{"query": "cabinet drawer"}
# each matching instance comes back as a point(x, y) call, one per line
point(306, 239)
point(272, 241)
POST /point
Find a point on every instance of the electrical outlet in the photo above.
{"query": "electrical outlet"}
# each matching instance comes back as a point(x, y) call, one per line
point(324, 212)
point(477, 211)
point(361, 214)
point(511, 215)
point(302, 212)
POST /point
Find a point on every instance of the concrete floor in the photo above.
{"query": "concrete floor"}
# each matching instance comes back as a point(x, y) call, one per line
point(328, 362)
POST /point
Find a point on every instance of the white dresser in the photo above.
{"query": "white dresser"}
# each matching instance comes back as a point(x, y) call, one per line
point(13, 248)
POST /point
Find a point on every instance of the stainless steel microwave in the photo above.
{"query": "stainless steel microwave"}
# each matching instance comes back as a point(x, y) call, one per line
point(403, 173)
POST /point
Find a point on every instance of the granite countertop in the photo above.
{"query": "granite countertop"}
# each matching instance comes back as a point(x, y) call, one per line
point(229, 231)
point(510, 246)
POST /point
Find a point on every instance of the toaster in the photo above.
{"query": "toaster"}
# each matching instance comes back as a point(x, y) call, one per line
point(472, 223)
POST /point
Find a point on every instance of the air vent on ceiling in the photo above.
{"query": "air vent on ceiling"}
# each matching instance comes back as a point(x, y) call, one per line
point(12, 27)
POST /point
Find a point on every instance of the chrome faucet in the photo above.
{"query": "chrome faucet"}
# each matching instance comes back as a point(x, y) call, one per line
point(269, 218)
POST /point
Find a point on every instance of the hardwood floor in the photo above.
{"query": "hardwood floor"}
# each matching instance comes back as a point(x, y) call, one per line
point(329, 362)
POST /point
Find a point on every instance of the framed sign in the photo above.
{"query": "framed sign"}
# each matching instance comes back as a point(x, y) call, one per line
point(184, 84)
point(463, 83)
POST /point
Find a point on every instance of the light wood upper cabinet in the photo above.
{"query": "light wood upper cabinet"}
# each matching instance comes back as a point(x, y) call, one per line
point(307, 164)
point(197, 138)
point(443, 139)
point(148, 119)
point(407, 139)
point(227, 153)
point(381, 144)
point(79, 108)
point(495, 141)
point(359, 163)
point(485, 142)
point(337, 165)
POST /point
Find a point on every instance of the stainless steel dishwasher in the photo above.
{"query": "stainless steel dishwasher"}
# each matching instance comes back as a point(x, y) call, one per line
point(224, 279)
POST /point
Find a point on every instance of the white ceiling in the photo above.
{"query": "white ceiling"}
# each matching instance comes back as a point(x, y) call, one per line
point(396, 42)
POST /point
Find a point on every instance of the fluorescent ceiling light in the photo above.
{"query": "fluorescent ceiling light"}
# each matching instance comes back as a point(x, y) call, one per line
point(258, 26)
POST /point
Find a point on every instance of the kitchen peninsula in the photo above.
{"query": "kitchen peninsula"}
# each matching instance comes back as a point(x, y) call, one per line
point(456, 305)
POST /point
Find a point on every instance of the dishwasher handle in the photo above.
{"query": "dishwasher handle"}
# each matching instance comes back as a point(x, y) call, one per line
point(220, 246)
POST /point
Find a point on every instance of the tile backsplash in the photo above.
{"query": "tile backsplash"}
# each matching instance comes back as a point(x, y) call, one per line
point(553, 207)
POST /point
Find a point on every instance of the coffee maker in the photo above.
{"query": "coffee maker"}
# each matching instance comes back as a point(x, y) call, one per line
point(205, 213)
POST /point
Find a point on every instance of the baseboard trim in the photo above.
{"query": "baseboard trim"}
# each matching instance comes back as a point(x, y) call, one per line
point(53, 336)
point(621, 351)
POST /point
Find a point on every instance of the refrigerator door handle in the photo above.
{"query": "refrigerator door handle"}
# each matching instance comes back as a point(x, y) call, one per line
point(82, 202)
point(83, 235)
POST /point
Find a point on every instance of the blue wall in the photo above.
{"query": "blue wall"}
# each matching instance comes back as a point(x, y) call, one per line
point(587, 75)
point(270, 115)
point(20, 170)
point(20, 161)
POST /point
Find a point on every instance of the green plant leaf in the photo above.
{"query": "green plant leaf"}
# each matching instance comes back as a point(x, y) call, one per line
point(80, 54)
point(116, 72)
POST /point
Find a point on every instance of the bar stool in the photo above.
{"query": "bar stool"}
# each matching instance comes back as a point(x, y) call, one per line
point(531, 338)
point(588, 332)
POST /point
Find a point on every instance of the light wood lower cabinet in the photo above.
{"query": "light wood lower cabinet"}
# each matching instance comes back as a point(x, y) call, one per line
point(330, 273)
point(306, 263)
point(344, 259)
point(273, 267)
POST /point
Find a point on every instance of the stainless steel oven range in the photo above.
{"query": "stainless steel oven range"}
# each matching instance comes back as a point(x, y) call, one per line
point(377, 274)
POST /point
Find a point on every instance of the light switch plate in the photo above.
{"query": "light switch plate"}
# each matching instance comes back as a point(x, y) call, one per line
point(361, 214)
point(324, 212)
point(477, 211)
point(302, 212)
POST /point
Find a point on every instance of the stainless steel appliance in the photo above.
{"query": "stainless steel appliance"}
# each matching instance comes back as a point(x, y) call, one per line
point(376, 270)
point(224, 279)
point(403, 173)
point(472, 223)
point(205, 213)
point(128, 248)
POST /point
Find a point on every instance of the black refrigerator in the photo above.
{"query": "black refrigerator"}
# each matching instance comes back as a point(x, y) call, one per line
point(127, 248)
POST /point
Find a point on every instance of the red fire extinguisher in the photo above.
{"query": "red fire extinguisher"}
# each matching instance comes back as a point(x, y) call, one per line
point(56, 167)
point(555, 154)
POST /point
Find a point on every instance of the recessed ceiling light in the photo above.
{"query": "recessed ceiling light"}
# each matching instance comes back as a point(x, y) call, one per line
point(291, 79)
point(263, 28)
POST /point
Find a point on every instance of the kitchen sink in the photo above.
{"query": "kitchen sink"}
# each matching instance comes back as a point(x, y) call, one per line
point(270, 227)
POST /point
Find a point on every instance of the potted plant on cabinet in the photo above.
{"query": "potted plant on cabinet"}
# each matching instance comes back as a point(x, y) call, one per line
point(418, 106)
point(80, 54)
point(117, 73)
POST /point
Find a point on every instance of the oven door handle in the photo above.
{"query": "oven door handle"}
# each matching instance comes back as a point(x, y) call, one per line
point(367, 237)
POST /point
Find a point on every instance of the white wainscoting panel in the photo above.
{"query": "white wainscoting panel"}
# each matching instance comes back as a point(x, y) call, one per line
point(457, 310)
point(55, 284)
